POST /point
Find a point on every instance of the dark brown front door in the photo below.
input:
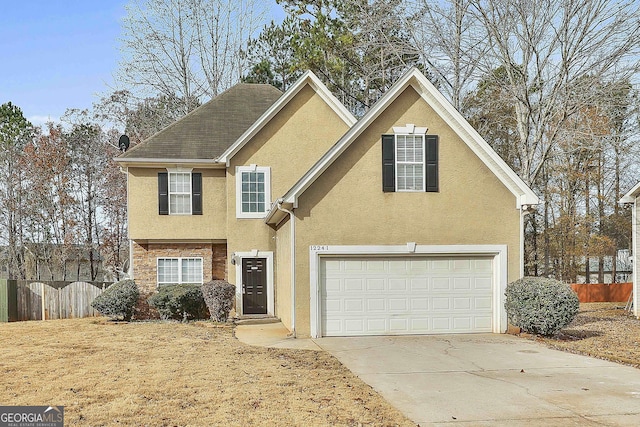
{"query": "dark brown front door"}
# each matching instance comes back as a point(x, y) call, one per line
point(254, 286)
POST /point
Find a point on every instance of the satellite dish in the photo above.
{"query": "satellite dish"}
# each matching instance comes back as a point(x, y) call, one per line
point(123, 143)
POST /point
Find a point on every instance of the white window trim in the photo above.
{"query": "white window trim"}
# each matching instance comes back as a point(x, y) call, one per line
point(266, 170)
point(499, 266)
point(180, 259)
point(270, 288)
point(424, 167)
point(411, 129)
point(175, 171)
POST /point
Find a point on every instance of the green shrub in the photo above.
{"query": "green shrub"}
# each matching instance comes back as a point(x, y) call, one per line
point(219, 296)
point(540, 306)
point(180, 302)
point(118, 300)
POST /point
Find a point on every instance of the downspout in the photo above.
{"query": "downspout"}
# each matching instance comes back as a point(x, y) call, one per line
point(523, 213)
point(130, 272)
point(293, 266)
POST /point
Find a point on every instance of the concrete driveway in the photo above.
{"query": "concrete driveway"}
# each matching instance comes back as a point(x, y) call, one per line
point(496, 380)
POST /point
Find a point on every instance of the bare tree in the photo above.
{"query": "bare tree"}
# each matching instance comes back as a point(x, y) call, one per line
point(546, 47)
point(188, 49)
point(449, 40)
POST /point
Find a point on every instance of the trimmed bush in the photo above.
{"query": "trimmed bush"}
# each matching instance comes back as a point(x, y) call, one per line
point(118, 300)
point(219, 296)
point(540, 306)
point(179, 302)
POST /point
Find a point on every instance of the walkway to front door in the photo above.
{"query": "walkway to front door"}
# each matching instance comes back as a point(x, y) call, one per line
point(254, 286)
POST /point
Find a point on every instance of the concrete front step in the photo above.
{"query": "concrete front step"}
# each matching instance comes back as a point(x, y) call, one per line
point(256, 320)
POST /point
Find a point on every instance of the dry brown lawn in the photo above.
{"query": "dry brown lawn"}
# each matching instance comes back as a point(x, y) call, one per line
point(602, 330)
point(176, 374)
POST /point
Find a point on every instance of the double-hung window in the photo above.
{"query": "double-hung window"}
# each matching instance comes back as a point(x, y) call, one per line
point(410, 163)
point(174, 271)
point(410, 160)
point(253, 191)
point(179, 192)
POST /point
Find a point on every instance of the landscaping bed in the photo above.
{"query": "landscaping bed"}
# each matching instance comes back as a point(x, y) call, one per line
point(602, 330)
point(178, 374)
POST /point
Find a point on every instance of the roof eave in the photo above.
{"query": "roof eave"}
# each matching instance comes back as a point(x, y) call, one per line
point(163, 162)
point(523, 194)
point(631, 196)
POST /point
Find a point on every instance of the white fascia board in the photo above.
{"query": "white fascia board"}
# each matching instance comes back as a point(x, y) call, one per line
point(523, 194)
point(630, 197)
point(163, 162)
point(343, 143)
point(307, 78)
point(477, 144)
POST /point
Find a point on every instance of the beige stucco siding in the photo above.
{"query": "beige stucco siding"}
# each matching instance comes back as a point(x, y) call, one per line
point(283, 274)
point(289, 144)
point(146, 224)
point(346, 205)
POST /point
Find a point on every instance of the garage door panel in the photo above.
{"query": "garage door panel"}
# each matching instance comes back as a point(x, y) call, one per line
point(419, 284)
point(375, 284)
point(417, 295)
point(441, 284)
point(356, 285)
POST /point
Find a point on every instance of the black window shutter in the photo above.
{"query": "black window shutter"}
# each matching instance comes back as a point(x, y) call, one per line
point(388, 163)
point(196, 194)
point(431, 147)
point(163, 193)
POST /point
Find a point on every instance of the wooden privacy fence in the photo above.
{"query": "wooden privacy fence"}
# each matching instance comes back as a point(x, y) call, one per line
point(44, 300)
point(603, 292)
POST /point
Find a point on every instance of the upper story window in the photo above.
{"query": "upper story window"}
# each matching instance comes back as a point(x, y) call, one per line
point(409, 160)
point(253, 191)
point(175, 271)
point(179, 192)
point(410, 163)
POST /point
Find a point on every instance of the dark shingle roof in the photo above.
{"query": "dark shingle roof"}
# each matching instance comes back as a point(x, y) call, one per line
point(210, 129)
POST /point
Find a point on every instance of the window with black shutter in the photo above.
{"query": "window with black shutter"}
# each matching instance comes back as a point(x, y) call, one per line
point(196, 193)
point(163, 193)
point(410, 163)
point(179, 193)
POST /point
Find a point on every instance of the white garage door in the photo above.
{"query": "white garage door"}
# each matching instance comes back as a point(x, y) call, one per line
point(413, 295)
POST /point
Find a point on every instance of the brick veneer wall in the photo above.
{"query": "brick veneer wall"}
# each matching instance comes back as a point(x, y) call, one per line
point(214, 261)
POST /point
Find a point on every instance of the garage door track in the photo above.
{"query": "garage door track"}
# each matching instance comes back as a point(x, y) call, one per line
point(490, 379)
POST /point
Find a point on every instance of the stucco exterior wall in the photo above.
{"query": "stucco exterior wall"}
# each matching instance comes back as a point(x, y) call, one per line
point(146, 224)
point(289, 144)
point(283, 274)
point(346, 204)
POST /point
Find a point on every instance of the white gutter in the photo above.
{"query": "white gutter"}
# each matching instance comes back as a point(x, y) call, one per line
point(293, 266)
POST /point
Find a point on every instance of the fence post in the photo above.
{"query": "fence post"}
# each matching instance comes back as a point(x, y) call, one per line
point(4, 301)
point(44, 317)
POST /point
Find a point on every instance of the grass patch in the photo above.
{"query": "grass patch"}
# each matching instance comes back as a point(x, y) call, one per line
point(175, 374)
point(602, 330)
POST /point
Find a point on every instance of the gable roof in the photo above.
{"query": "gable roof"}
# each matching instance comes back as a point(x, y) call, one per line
point(210, 129)
point(428, 92)
point(630, 197)
point(308, 78)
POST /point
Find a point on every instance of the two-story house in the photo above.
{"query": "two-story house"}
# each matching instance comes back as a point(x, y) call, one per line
point(402, 222)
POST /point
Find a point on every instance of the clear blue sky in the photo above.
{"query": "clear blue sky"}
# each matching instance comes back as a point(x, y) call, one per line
point(59, 54)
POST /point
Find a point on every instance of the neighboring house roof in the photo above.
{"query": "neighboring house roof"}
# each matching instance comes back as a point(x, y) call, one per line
point(630, 197)
point(210, 129)
point(414, 78)
point(308, 78)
